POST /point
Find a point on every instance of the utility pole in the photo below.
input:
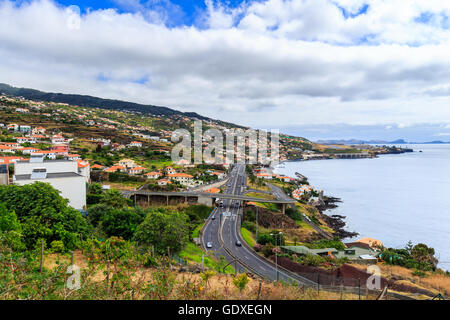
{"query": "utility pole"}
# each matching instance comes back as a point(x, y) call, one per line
point(276, 251)
point(256, 223)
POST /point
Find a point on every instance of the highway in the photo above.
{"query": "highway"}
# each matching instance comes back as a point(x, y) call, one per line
point(224, 232)
point(281, 195)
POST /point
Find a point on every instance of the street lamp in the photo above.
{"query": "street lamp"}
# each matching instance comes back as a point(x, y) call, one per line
point(276, 252)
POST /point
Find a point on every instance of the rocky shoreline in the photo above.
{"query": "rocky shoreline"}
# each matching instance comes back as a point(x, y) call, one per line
point(335, 221)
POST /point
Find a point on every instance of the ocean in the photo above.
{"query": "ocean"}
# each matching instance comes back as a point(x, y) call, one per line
point(392, 198)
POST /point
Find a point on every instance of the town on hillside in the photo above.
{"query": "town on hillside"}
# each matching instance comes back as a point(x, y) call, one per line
point(109, 174)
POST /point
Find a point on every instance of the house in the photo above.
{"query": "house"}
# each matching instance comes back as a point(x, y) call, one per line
point(61, 150)
point(97, 167)
point(6, 149)
point(213, 190)
point(38, 130)
point(372, 243)
point(116, 169)
point(14, 127)
point(219, 175)
point(135, 144)
point(38, 137)
point(4, 174)
point(84, 169)
point(285, 178)
point(153, 175)
point(136, 170)
point(25, 129)
point(57, 139)
point(169, 170)
point(28, 150)
point(182, 178)
point(10, 160)
point(266, 176)
point(74, 157)
point(300, 191)
point(13, 145)
point(127, 163)
point(163, 182)
point(61, 174)
point(49, 154)
point(354, 253)
point(25, 140)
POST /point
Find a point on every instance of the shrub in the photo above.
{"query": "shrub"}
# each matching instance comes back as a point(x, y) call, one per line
point(293, 214)
point(250, 226)
point(267, 250)
point(312, 260)
point(264, 238)
point(241, 281)
point(57, 246)
point(163, 229)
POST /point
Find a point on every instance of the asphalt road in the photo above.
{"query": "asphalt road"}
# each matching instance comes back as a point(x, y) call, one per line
point(280, 194)
point(224, 231)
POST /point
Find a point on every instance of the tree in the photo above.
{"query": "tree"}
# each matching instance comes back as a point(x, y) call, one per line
point(10, 229)
point(113, 198)
point(44, 214)
point(163, 229)
point(241, 281)
point(122, 222)
point(97, 212)
point(424, 256)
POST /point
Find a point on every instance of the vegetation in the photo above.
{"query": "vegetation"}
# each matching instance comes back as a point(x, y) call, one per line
point(36, 212)
point(419, 256)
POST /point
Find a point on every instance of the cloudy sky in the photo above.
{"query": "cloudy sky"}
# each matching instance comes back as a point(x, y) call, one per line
point(318, 68)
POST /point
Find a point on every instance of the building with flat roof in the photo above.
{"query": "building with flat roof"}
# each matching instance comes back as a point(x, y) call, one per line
point(63, 175)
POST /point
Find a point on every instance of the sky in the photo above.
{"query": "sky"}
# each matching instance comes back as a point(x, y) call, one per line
point(322, 69)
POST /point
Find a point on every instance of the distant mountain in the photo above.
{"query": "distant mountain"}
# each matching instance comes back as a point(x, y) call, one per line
point(355, 141)
point(89, 101)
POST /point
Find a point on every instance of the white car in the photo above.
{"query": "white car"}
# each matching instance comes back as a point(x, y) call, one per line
point(209, 245)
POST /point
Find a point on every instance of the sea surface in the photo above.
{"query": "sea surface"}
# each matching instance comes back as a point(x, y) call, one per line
point(392, 198)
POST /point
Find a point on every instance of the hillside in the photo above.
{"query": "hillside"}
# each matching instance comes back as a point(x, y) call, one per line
point(90, 101)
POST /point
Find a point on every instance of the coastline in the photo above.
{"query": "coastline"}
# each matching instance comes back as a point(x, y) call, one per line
point(335, 221)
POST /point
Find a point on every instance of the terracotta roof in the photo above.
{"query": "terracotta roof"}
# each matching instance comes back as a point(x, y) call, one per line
point(114, 168)
point(9, 160)
point(82, 164)
point(137, 168)
point(185, 175)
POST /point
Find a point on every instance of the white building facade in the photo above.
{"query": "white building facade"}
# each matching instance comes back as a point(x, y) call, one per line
point(62, 175)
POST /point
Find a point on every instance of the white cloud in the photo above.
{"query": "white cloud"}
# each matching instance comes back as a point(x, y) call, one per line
point(293, 62)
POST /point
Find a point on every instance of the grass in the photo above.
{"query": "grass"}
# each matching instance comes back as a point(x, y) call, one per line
point(127, 185)
point(248, 237)
point(433, 281)
point(256, 186)
point(196, 231)
point(260, 195)
point(192, 253)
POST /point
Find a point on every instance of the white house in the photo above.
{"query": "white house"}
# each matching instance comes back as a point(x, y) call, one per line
point(58, 139)
point(153, 175)
point(49, 154)
point(28, 150)
point(182, 178)
point(135, 144)
point(25, 140)
point(61, 174)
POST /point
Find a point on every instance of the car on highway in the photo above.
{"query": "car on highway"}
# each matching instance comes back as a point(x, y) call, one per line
point(209, 245)
point(238, 243)
point(213, 217)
